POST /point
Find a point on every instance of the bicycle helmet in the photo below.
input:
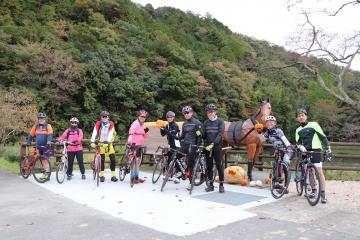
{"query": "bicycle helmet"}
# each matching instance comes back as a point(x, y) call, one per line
point(104, 113)
point(41, 115)
point(142, 113)
point(210, 107)
point(270, 118)
point(301, 110)
point(186, 109)
point(170, 114)
point(74, 120)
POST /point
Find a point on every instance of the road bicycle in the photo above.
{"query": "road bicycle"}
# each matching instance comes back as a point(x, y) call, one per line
point(129, 165)
point(160, 164)
point(63, 164)
point(280, 174)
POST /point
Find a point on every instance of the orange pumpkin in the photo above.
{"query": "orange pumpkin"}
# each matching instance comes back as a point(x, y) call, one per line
point(267, 180)
point(243, 182)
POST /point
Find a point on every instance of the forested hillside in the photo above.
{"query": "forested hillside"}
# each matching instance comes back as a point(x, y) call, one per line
point(78, 57)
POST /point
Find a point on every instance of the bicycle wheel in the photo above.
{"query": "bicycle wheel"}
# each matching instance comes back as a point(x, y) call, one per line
point(24, 166)
point(132, 171)
point(299, 178)
point(61, 170)
point(312, 185)
point(42, 169)
point(168, 173)
point(158, 170)
point(199, 171)
point(122, 172)
point(280, 179)
point(98, 169)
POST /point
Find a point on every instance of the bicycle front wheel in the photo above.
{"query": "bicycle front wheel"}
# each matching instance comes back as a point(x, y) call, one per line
point(299, 178)
point(312, 185)
point(24, 166)
point(132, 171)
point(61, 171)
point(98, 169)
point(280, 179)
point(168, 173)
point(122, 172)
point(199, 171)
point(41, 170)
point(158, 170)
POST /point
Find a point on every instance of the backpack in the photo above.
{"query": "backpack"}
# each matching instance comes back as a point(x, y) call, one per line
point(68, 132)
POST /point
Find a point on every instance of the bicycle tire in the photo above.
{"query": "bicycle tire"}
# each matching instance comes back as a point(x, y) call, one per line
point(277, 185)
point(98, 169)
point(200, 174)
point(158, 170)
point(168, 173)
point(299, 178)
point(312, 172)
point(24, 168)
point(38, 168)
point(122, 172)
point(61, 169)
point(132, 171)
point(194, 173)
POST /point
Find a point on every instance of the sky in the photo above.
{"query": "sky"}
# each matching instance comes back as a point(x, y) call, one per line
point(269, 20)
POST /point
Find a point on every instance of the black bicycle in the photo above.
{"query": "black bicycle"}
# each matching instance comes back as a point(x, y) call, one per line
point(307, 178)
point(160, 164)
point(170, 169)
point(280, 174)
point(199, 172)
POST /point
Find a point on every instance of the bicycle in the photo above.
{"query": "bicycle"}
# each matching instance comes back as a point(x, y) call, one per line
point(96, 164)
point(128, 167)
point(199, 174)
point(170, 170)
point(37, 165)
point(307, 178)
point(280, 174)
point(160, 165)
point(63, 164)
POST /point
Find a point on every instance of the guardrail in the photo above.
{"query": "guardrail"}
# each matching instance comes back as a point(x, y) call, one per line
point(150, 155)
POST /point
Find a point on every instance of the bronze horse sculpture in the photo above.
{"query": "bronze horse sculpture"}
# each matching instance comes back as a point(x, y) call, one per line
point(237, 133)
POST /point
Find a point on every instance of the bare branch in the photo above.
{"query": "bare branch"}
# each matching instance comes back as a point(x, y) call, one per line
point(341, 7)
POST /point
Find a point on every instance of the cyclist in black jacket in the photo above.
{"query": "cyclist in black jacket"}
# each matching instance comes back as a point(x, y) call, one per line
point(172, 132)
point(213, 131)
point(191, 135)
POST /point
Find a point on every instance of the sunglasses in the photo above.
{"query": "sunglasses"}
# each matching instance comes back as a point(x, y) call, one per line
point(142, 116)
point(74, 122)
point(185, 113)
point(104, 117)
point(41, 118)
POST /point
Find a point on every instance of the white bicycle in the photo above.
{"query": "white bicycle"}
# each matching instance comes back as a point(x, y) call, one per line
point(62, 166)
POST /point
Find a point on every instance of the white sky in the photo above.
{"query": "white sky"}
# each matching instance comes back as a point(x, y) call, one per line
point(268, 19)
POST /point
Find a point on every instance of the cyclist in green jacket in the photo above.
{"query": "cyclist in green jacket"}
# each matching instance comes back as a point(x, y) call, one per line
point(310, 137)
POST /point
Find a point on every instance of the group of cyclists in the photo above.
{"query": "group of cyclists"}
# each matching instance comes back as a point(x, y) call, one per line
point(309, 137)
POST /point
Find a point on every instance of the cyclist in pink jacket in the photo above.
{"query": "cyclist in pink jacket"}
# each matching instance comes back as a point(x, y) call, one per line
point(74, 136)
point(137, 134)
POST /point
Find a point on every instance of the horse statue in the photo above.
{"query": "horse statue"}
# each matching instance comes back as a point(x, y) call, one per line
point(246, 132)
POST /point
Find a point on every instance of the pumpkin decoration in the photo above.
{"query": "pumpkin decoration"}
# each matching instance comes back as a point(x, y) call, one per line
point(267, 180)
point(259, 127)
point(259, 183)
point(252, 184)
point(243, 182)
point(161, 123)
point(233, 174)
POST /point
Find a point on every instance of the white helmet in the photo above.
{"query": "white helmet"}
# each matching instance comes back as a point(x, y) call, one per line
point(74, 119)
point(270, 118)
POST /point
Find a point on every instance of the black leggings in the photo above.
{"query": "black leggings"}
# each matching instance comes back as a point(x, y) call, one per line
point(191, 155)
point(80, 160)
point(112, 162)
point(216, 154)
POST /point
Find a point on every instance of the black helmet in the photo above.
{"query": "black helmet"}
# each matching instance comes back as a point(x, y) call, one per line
point(170, 114)
point(41, 115)
point(301, 110)
point(210, 107)
point(186, 109)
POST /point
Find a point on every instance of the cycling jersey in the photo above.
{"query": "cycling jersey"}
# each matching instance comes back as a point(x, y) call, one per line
point(73, 135)
point(277, 137)
point(213, 131)
point(172, 131)
point(189, 129)
point(43, 133)
point(311, 136)
point(137, 133)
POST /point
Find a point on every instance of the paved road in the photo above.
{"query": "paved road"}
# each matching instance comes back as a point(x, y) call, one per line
point(28, 211)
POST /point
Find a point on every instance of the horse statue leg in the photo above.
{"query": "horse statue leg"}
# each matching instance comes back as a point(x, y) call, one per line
point(251, 150)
